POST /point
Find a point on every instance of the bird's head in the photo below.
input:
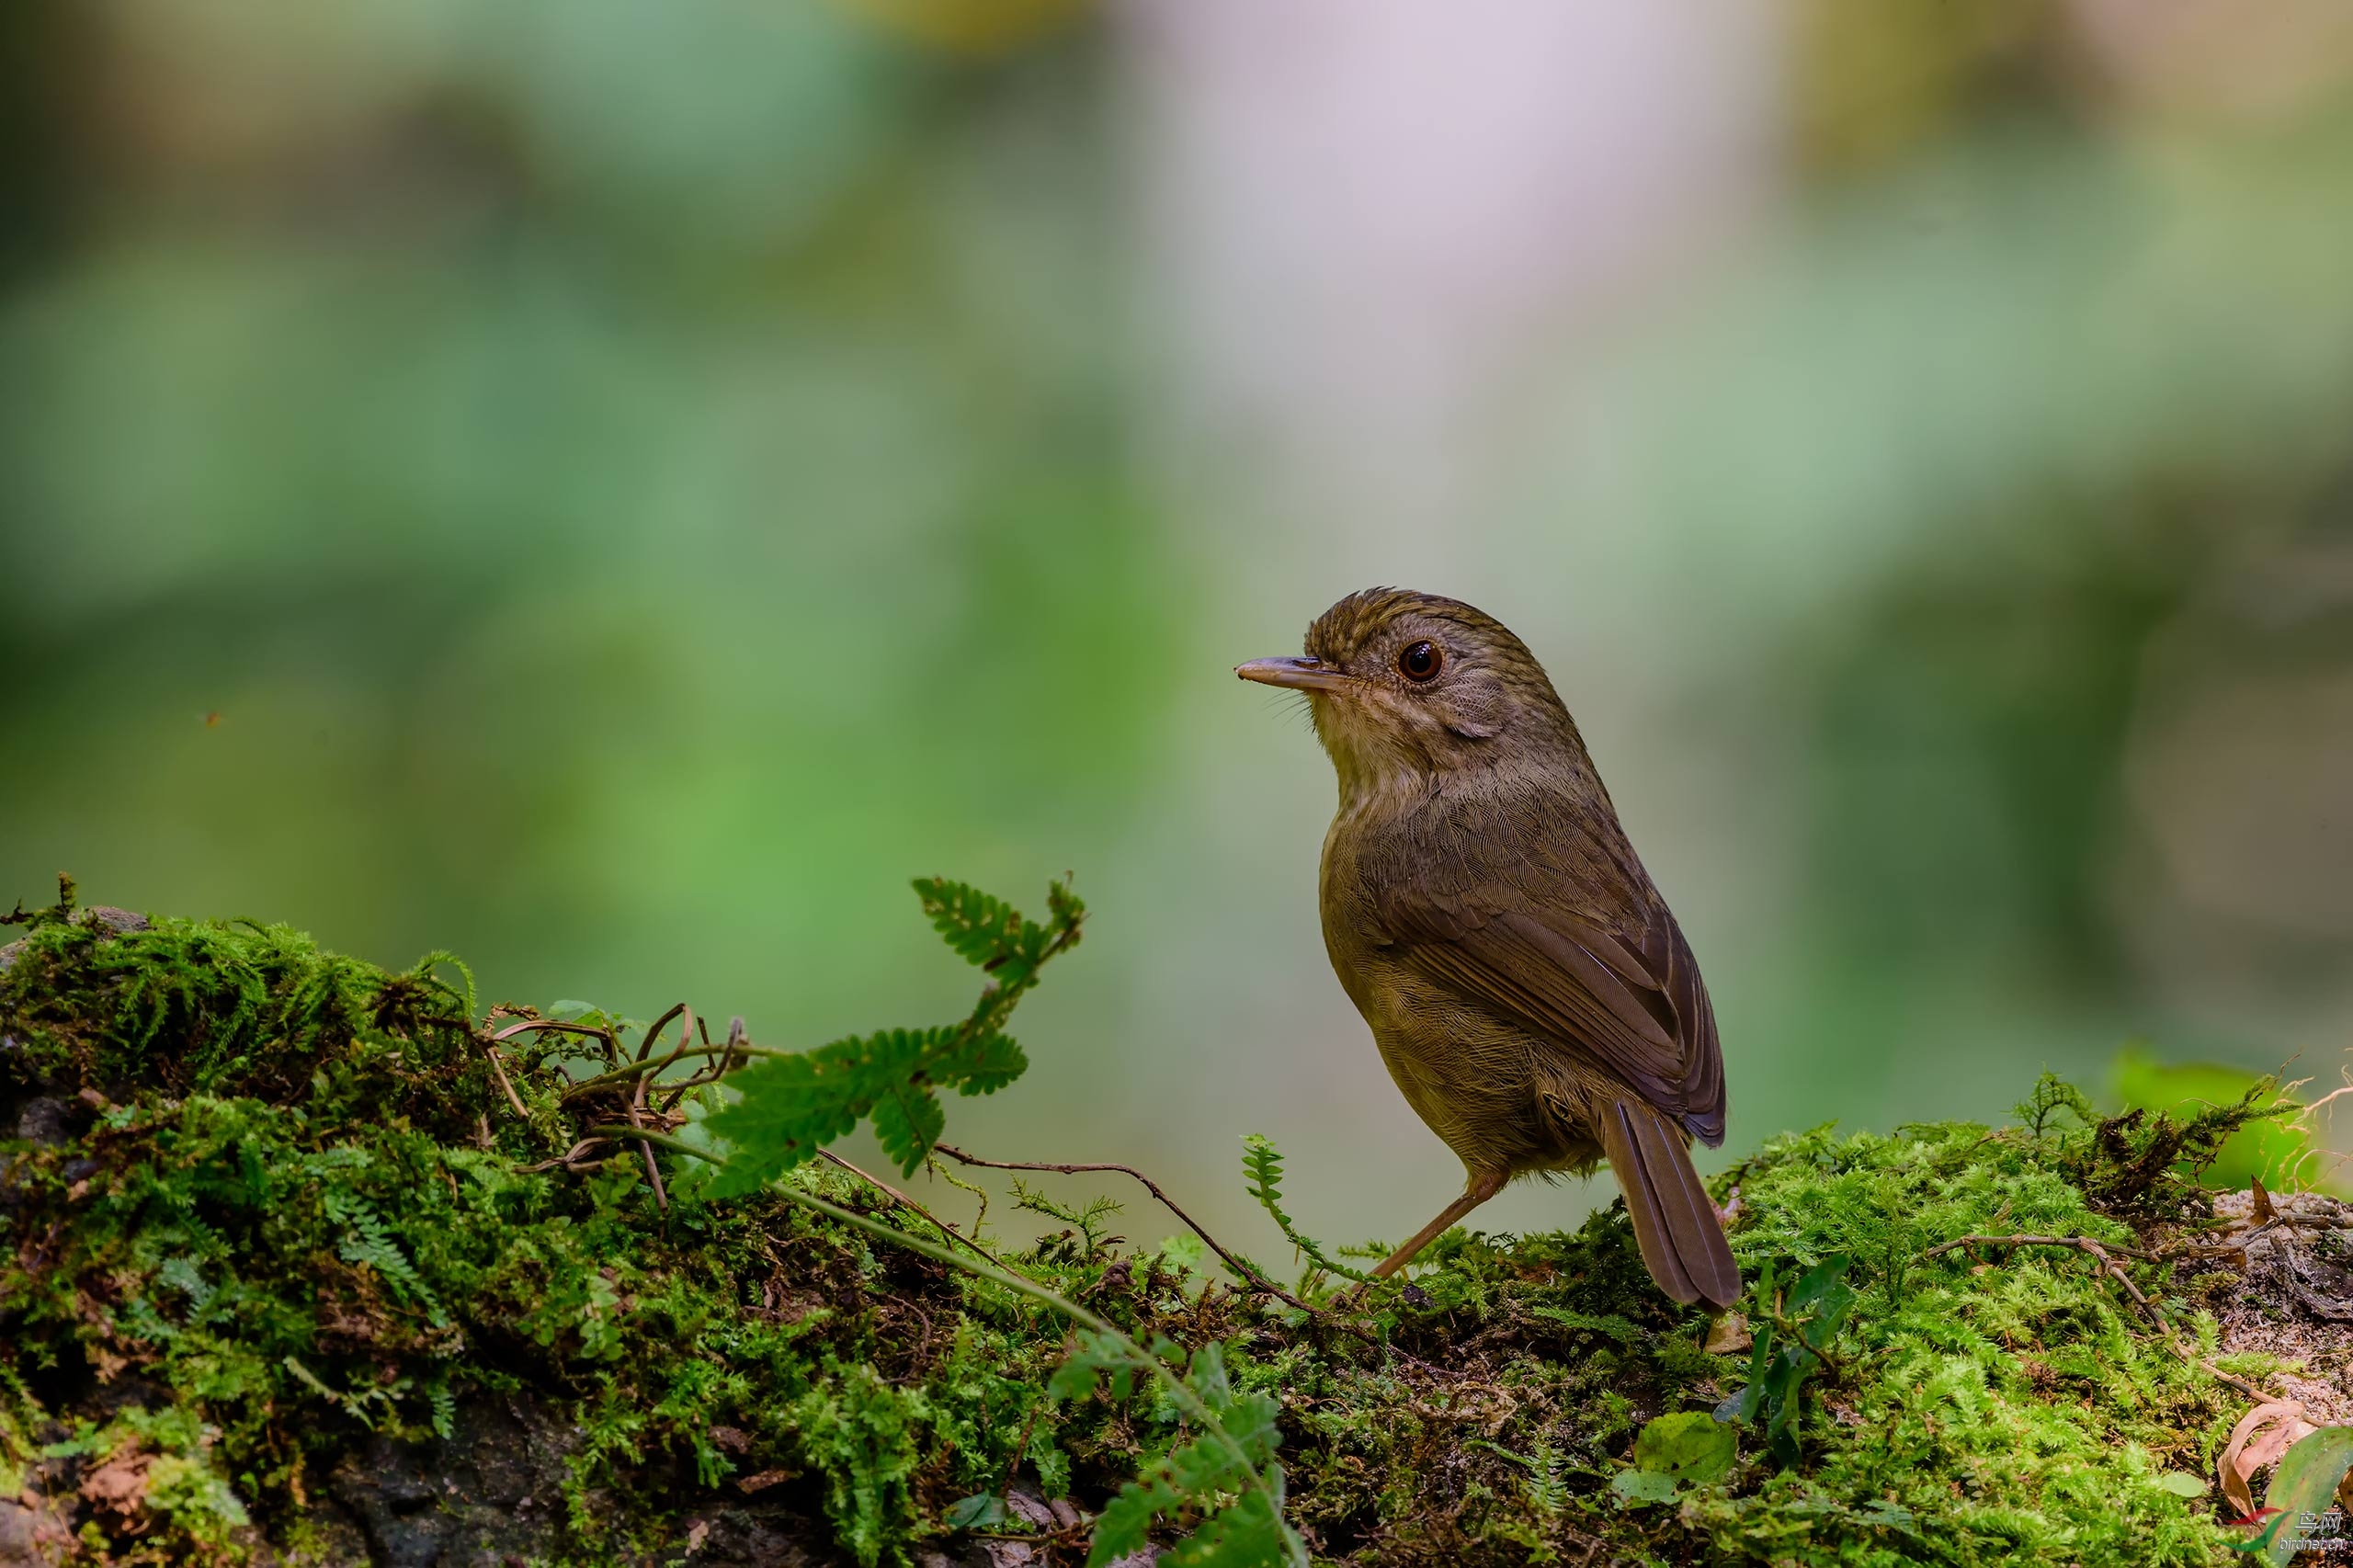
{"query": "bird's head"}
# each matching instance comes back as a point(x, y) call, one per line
point(1406, 685)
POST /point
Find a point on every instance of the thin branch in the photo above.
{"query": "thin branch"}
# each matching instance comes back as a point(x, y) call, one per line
point(1239, 1267)
point(638, 1069)
point(568, 1159)
point(905, 1202)
point(652, 1170)
point(644, 1135)
point(716, 1070)
point(551, 1024)
point(685, 1036)
point(499, 1068)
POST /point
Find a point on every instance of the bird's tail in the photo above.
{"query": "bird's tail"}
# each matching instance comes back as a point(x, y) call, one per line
point(1682, 1241)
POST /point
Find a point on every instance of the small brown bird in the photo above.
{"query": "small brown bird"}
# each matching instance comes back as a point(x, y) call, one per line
point(1528, 988)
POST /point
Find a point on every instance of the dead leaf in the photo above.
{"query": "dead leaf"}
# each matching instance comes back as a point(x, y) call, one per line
point(1729, 1333)
point(762, 1481)
point(120, 1484)
point(696, 1533)
point(2262, 1435)
point(734, 1439)
point(2264, 1212)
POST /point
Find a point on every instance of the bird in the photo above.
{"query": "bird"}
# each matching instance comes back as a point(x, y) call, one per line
point(1528, 988)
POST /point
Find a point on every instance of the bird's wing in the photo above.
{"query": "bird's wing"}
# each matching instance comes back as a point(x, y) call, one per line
point(1557, 928)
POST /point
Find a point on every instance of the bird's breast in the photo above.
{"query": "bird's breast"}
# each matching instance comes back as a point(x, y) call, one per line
point(1467, 1073)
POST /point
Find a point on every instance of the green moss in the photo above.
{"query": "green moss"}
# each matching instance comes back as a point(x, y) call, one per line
point(295, 1219)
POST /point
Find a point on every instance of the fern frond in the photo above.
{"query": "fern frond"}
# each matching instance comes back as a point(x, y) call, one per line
point(981, 928)
point(1248, 1535)
point(1227, 1475)
point(1262, 1163)
point(368, 1240)
point(791, 1106)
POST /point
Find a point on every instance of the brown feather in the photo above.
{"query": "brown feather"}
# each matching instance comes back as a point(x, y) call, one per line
point(1675, 1223)
point(1528, 987)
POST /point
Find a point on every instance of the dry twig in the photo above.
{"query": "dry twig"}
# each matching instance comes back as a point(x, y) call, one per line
point(1239, 1267)
point(904, 1201)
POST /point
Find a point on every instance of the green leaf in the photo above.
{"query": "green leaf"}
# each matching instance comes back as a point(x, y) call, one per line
point(1690, 1445)
point(987, 1063)
point(1195, 1475)
point(1190, 1472)
point(981, 1511)
point(981, 928)
point(1092, 1354)
point(789, 1107)
point(2180, 1483)
point(907, 1121)
point(1262, 1164)
point(793, 1106)
point(1125, 1524)
point(2305, 1481)
point(1638, 1487)
point(1248, 1535)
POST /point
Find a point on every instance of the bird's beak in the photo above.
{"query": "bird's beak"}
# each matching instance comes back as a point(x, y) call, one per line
point(1305, 675)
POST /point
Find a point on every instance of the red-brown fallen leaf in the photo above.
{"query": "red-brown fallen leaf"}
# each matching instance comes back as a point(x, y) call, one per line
point(2262, 1435)
point(762, 1481)
point(120, 1484)
point(2259, 1201)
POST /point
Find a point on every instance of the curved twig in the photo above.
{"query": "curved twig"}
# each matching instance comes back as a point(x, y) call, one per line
point(499, 1068)
point(1237, 1265)
point(652, 1170)
point(552, 1024)
point(905, 1202)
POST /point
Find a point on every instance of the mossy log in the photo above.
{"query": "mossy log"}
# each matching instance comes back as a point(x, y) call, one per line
point(296, 1270)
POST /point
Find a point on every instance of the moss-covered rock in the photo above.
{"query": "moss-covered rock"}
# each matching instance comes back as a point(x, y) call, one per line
point(295, 1271)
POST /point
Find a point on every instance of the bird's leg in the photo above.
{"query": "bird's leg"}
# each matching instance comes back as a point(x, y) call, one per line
point(1484, 1185)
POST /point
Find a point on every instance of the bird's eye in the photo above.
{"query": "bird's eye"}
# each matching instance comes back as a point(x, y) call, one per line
point(1419, 661)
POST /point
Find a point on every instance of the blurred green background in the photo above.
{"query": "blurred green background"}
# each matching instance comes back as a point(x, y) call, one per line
point(617, 488)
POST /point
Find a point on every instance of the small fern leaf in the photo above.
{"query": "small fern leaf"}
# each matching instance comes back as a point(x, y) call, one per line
point(981, 929)
point(1092, 1353)
point(793, 1106)
point(1248, 1535)
point(984, 1065)
point(1262, 1163)
point(907, 1121)
point(1125, 1524)
point(1190, 1474)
